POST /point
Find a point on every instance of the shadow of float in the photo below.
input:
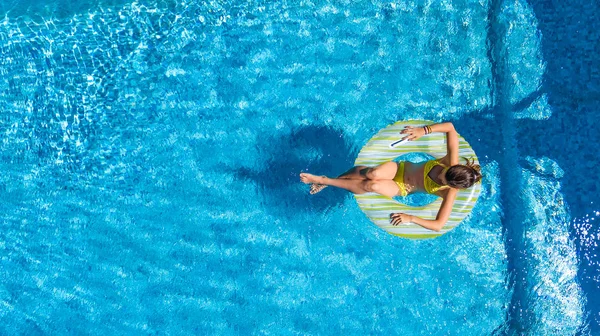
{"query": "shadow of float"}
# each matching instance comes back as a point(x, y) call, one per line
point(315, 149)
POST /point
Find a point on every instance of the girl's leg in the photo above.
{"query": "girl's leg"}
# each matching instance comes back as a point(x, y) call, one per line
point(351, 185)
point(385, 171)
point(387, 188)
point(354, 173)
point(383, 187)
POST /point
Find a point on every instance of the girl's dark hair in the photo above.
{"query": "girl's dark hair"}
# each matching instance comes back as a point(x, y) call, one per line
point(463, 176)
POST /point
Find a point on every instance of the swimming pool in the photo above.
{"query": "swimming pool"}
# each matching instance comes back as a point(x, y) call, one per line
point(151, 151)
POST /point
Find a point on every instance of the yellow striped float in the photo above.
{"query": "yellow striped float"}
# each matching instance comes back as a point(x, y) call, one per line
point(378, 208)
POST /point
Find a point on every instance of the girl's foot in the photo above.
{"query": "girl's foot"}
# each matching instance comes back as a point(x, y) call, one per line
point(315, 188)
point(311, 179)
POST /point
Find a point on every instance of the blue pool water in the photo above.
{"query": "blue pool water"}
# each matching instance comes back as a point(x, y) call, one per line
point(151, 150)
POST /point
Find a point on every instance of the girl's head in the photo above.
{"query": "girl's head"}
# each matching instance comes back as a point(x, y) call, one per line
point(463, 176)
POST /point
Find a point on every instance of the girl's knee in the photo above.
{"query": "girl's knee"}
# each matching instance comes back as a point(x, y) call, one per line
point(373, 174)
point(384, 171)
point(380, 187)
point(371, 186)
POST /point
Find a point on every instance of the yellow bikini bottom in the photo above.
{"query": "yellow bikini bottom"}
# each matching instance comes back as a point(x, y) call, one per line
point(399, 179)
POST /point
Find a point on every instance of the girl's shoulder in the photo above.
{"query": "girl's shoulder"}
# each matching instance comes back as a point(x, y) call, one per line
point(445, 161)
point(447, 191)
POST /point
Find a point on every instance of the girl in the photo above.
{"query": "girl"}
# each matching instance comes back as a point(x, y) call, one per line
point(442, 177)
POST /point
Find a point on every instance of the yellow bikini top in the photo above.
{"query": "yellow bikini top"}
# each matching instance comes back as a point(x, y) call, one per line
point(431, 187)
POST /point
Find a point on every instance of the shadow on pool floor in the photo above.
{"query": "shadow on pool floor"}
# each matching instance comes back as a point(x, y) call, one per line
point(315, 149)
point(571, 82)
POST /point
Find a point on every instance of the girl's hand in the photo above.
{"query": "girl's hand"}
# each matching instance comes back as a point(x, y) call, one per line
point(412, 133)
point(400, 218)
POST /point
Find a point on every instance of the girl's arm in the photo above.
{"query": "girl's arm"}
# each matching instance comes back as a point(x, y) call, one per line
point(451, 158)
point(440, 219)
